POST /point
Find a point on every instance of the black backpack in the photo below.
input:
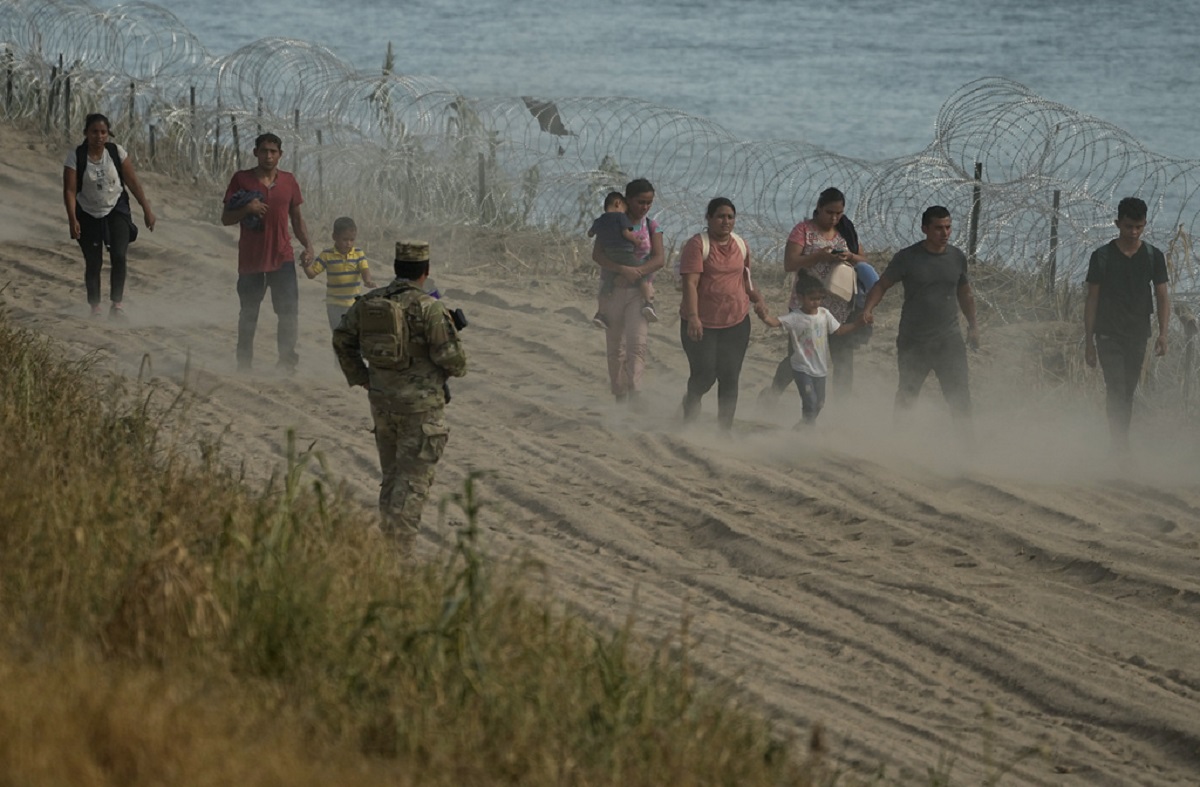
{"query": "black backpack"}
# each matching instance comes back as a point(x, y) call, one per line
point(123, 200)
point(81, 163)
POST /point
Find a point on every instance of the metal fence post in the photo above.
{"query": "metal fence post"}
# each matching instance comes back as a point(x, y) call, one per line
point(976, 199)
point(1053, 273)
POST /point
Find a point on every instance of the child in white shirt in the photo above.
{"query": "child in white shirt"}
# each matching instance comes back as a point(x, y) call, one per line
point(810, 327)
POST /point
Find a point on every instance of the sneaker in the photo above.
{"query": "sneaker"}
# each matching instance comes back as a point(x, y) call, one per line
point(649, 313)
point(96, 311)
point(116, 312)
point(599, 321)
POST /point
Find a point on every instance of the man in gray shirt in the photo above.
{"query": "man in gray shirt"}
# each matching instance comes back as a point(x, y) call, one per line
point(934, 275)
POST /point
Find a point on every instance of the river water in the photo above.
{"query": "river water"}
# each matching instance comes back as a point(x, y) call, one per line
point(861, 78)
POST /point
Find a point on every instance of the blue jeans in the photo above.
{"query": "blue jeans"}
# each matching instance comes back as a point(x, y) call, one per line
point(285, 300)
point(812, 395)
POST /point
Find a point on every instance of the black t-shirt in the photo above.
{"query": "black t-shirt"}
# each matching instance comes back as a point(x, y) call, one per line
point(931, 283)
point(1126, 289)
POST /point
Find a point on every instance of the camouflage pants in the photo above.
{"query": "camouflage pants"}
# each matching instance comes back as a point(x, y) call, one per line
point(410, 445)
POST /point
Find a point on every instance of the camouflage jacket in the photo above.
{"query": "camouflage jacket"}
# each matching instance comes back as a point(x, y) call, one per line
point(433, 344)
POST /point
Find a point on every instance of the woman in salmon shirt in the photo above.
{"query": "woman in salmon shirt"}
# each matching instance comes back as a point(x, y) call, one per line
point(715, 326)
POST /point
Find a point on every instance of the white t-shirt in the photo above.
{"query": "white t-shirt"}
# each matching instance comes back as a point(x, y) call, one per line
point(810, 340)
point(101, 183)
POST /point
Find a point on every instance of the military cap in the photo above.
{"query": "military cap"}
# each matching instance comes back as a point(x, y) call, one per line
point(412, 251)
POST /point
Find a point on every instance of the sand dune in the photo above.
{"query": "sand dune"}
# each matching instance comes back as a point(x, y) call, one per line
point(918, 600)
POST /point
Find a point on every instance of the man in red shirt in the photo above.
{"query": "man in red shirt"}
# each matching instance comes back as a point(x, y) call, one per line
point(264, 200)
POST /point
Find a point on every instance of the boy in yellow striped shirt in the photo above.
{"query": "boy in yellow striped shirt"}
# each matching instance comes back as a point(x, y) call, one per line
point(344, 267)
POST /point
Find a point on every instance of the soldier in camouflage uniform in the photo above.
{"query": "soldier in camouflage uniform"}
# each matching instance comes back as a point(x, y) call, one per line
point(401, 345)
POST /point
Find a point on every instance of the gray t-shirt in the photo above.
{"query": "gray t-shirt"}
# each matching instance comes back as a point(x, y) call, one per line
point(931, 283)
point(607, 230)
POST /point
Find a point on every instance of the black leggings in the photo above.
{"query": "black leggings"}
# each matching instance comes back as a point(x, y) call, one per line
point(716, 358)
point(94, 235)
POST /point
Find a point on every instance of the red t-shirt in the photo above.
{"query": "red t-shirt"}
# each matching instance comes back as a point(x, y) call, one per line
point(269, 248)
point(721, 294)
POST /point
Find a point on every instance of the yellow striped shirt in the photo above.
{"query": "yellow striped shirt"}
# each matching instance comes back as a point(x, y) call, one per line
point(344, 274)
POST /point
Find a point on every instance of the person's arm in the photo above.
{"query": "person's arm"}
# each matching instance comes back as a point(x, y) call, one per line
point(754, 295)
point(310, 270)
point(135, 188)
point(348, 351)
point(765, 315)
point(445, 347)
point(69, 194)
point(300, 229)
point(874, 296)
point(231, 216)
point(794, 259)
point(604, 262)
point(653, 262)
point(1163, 298)
point(1089, 323)
point(849, 327)
point(691, 306)
point(366, 276)
point(966, 302)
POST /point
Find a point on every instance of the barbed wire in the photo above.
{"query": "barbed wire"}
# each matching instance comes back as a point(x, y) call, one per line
point(394, 148)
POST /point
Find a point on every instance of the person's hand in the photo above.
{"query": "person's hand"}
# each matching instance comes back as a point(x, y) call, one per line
point(868, 317)
point(629, 273)
point(760, 308)
point(694, 329)
point(1089, 353)
point(1160, 345)
point(835, 256)
point(306, 257)
point(256, 207)
point(148, 217)
point(973, 338)
point(74, 228)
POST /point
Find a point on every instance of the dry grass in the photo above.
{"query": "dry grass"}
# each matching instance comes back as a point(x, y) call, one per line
point(160, 623)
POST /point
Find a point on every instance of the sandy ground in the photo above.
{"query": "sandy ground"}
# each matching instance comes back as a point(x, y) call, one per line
point(920, 601)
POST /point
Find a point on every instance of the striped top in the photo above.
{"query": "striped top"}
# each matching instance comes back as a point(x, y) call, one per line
point(344, 274)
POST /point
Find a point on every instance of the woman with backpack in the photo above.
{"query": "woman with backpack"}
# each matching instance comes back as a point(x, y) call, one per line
point(715, 312)
point(95, 177)
point(821, 246)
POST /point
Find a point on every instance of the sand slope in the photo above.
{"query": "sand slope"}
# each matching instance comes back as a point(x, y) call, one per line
point(918, 601)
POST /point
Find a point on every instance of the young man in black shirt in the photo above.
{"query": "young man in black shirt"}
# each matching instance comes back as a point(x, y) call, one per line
point(1116, 319)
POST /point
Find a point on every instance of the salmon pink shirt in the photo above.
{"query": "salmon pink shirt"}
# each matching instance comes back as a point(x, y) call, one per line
point(722, 297)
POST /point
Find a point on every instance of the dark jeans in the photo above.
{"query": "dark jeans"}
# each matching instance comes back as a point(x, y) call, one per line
point(1121, 361)
point(93, 234)
point(716, 358)
point(812, 395)
point(285, 300)
point(841, 358)
point(946, 358)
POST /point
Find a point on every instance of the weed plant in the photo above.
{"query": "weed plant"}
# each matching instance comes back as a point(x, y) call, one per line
point(163, 623)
